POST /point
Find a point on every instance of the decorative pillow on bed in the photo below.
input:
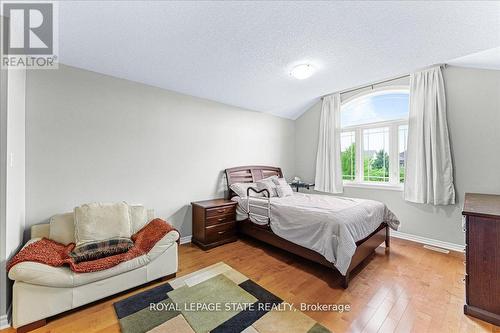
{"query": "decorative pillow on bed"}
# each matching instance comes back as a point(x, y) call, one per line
point(241, 189)
point(280, 181)
point(100, 249)
point(284, 191)
point(268, 184)
point(282, 187)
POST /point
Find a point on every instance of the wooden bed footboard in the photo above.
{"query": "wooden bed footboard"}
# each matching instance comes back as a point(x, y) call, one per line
point(364, 247)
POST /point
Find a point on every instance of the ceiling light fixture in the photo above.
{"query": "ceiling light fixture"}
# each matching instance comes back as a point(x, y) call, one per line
point(302, 71)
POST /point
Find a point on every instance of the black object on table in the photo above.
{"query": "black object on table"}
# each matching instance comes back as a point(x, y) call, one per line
point(298, 185)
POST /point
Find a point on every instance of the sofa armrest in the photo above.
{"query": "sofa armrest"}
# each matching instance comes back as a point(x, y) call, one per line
point(40, 230)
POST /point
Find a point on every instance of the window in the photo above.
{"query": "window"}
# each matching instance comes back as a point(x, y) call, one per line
point(348, 154)
point(375, 156)
point(373, 138)
point(402, 140)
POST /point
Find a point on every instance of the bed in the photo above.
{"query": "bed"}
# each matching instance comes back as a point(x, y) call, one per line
point(336, 232)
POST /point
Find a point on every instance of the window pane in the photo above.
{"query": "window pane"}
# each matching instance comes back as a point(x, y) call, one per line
point(375, 107)
point(348, 155)
point(376, 154)
point(403, 140)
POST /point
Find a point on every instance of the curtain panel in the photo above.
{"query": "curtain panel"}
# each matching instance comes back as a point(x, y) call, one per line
point(429, 169)
point(328, 166)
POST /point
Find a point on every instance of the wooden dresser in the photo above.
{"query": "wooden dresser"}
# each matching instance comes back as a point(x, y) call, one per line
point(482, 253)
point(214, 222)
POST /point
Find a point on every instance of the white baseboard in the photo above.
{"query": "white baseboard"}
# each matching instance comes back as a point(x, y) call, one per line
point(4, 319)
point(4, 322)
point(186, 239)
point(396, 234)
point(428, 241)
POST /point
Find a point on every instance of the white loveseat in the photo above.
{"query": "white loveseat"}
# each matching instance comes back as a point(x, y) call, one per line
point(41, 291)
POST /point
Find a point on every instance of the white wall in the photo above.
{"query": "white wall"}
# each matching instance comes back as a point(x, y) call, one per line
point(12, 172)
point(12, 212)
point(473, 97)
point(3, 189)
point(92, 137)
point(15, 193)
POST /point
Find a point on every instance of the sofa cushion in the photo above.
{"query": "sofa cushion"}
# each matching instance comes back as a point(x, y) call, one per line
point(163, 244)
point(138, 217)
point(100, 249)
point(150, 214)
point(98, 221)
point(62, 228)
point(40, 230)
point(63, 277)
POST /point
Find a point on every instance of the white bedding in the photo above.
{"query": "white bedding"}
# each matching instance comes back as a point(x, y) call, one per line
point(329, 225)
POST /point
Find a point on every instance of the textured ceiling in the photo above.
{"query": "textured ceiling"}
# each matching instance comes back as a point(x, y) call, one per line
point(240, 53)
point(489, 59)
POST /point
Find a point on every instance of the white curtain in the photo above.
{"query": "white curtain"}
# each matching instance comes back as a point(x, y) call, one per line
point(328, 166)
point(429, 170)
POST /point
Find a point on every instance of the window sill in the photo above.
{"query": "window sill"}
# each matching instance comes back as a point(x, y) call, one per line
point(375, 186)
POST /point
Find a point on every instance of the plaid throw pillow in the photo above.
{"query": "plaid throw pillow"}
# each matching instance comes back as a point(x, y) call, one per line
point(100, 249)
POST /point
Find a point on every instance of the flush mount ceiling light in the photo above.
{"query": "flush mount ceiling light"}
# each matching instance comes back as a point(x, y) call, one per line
point(302, 71)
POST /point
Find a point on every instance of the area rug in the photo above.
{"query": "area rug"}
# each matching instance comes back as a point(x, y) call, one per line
point(216, 299)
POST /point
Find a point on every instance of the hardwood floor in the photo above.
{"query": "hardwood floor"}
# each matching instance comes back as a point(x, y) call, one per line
point(409, 289)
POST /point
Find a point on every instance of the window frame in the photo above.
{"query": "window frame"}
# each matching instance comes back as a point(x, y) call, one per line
point(393, 125)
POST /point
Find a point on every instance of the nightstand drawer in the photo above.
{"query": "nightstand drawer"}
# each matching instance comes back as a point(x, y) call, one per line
point(220, 232)
point(220, 219)
point(211, 212)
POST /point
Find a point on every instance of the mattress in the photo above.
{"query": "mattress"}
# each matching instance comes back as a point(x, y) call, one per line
point(329, 225)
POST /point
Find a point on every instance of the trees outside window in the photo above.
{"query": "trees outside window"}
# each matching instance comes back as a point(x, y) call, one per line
point(373, 138)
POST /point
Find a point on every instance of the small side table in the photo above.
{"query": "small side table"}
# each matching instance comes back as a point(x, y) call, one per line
point(301, 185)
point(214, 222)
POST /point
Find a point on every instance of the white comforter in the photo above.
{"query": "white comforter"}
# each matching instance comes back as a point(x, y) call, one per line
point(329, 225)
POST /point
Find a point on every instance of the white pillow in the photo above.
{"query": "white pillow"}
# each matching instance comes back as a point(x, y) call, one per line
point(138, 218)
point(268, 184)
point(280, 181)
point(97, 221)
point(241, 189)
point(284, 191)
point(151, 214)
point(282, 187)
point(62, 228)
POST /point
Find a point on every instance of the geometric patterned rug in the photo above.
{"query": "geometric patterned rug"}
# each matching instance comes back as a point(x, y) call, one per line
point(215, 299)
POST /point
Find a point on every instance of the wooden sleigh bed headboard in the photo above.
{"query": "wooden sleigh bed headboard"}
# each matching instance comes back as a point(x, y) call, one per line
point(250, 174)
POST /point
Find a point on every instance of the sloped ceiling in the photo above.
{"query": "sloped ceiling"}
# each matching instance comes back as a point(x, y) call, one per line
point(240, 53)
point(488, 59)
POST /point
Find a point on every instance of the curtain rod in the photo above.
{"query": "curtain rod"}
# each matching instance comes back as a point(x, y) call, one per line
point(380, 82)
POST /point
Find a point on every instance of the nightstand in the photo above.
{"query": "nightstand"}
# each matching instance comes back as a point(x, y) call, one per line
point(214, 222)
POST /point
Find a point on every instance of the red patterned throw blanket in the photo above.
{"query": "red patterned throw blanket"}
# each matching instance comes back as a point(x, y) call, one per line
point(51, 253)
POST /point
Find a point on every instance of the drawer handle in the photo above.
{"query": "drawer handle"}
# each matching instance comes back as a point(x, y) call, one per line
point(221, 210)
point(221, 232)
point(221, 219)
